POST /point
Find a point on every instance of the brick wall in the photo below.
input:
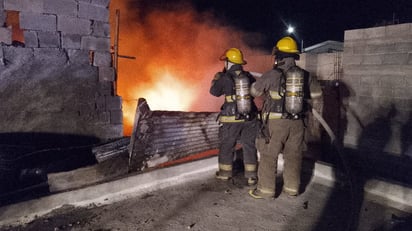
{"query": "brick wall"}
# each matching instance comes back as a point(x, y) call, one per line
point(59, 78)
point(377, 65)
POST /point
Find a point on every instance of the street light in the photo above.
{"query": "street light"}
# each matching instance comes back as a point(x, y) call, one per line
point(291, 29)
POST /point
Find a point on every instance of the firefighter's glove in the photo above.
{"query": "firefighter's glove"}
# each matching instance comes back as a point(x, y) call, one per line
point(254, 92)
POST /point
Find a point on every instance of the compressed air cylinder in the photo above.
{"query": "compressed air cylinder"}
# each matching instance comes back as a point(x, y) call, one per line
point(294, 90)
point(243, 98)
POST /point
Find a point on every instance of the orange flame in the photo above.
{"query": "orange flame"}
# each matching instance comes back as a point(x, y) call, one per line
point(177, 54)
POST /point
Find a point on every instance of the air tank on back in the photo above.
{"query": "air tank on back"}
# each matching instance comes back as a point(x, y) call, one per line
point(294, 91)
point(243, 97)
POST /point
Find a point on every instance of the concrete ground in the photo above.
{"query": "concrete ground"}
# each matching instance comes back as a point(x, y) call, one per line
point(188, 197)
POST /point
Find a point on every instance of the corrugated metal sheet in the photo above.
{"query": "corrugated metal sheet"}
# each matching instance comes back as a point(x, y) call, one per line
point(161, 136)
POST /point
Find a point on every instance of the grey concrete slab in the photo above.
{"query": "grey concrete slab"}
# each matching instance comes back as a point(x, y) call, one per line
point(383, 193)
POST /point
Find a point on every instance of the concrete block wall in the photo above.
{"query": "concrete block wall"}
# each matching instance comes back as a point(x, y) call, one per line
point(61, 80)
point(377, 65)
point(327, 68)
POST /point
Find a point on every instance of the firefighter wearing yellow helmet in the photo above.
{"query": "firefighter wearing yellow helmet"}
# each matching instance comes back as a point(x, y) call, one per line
point(287, 45)
point(233, 55)
point(238, 116)
point(286, 88)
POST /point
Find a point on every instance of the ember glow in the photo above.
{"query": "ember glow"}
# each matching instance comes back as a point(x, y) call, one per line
point(177, 54)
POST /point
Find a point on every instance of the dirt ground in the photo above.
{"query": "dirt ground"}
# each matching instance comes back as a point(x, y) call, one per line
point(209, 204)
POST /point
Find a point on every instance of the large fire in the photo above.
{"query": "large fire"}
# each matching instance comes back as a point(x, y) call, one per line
point(177, 54)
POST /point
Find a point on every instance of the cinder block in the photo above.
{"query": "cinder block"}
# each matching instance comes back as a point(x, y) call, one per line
point(78, 56)
point(13, 5)
point(105, 88)
point(405, 46)
point(113, 102)
point(30, 38)
point(381, 92)
point(58, 55)
point(71, 41)
point(102, 59)
point(352, 59)
point(354, 47)
point(93, 12)
point(353, 35)
point(104, 3)
point(24, 5)
point(103, 117)
point(100, 29)
point(407, 69)
point(374, 32)
point(359, 70)
point(5, 35)
point(372, 59)
point(394, 81)
point(60, 7)
point(381, 48)
point(116, 117)
point(402, 93)
point(401, 59)
point(369, 80)
point(73, 25)
point(48, 39)
point(101, 103)
point(111, 131)
point(364, 91)
point(32, 6)
point(399, 30)
point(19, 55)
point(33, 21)
point(2, 16)
point(106, 74)
point(95, 43)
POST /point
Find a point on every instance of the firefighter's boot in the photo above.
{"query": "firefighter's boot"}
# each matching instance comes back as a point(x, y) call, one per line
point(259, 194)
point(225, 172)
point(250, 174)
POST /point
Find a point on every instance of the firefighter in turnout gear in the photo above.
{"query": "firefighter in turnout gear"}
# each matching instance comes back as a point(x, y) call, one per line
point(287, 90)
point(238, 116)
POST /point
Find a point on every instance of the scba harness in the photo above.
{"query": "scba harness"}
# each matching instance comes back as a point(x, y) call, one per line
point(287, 102)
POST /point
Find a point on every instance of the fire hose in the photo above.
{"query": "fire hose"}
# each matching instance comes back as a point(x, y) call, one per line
point(345, 166)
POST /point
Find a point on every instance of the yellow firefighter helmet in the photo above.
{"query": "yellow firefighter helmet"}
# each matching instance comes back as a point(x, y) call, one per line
point(288, 45)
point(233, 55)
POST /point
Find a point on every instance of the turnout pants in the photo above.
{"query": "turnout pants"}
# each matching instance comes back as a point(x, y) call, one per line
point(229, 133)
point(286, 136)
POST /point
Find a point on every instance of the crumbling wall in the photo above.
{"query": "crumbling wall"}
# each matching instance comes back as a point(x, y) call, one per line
point(377, 65)
point(59, 77)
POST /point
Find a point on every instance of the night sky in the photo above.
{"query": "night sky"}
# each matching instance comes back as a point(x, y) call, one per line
point(314, 21)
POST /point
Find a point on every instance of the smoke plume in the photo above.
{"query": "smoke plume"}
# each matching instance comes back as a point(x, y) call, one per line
point(177, 53)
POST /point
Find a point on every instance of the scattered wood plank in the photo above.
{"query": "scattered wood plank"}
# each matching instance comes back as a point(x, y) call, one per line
point(81, 177)
point(111, 149)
